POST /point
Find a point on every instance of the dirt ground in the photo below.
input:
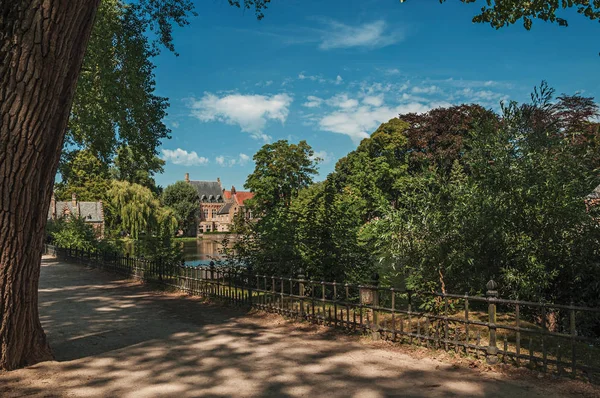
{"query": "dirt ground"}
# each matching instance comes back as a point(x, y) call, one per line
point(117, 338)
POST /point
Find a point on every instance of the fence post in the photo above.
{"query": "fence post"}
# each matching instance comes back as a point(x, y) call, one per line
point(375, 289)
point(301, 291)
point(250, 291)
point(492, 294)
point(212, 278)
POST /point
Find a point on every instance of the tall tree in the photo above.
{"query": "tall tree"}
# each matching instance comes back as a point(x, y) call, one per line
point(83, 174)
point(42, 46)
point(137, 167)
point(137, 211)
point(281, 170)
point(183, 199)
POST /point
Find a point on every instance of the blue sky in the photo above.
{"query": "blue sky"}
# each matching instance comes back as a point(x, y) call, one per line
point(330, 72)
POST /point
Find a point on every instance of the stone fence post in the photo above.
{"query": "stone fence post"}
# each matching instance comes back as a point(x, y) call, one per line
point(375, 303)
point(492, 295)
point(301, 290)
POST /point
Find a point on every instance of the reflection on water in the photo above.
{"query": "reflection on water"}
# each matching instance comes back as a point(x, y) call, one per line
point(201, 252)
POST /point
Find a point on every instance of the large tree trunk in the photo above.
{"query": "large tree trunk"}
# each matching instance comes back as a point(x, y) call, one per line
point(42, 43)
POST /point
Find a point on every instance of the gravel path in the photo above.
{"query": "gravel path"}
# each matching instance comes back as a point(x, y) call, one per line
point(117, 338)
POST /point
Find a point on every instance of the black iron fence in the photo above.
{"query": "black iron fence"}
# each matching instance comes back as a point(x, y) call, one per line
point(563, 339)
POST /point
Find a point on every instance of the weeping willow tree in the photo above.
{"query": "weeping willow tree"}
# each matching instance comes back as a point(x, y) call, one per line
point(135, 210)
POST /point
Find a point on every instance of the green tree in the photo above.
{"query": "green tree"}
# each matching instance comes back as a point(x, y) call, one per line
point(281, 170)
point(38, 76)
point(183, 199)
point(72, 232)
point(511, 207)
point(83, 174)
point(507, 12)
point(137, 168)
point(137, 212)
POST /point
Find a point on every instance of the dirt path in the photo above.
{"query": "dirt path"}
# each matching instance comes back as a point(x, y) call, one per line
point(116, 338)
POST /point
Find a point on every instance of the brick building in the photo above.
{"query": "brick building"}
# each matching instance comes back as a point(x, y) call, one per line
point(91, 212)
point(218, 207)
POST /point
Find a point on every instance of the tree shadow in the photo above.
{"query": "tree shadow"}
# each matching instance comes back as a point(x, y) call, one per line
point(112, 337)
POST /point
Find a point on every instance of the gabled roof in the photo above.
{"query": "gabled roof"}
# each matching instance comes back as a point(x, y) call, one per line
point(89, 211)
point(225, 208)
point(208, 191)
point(241, 197)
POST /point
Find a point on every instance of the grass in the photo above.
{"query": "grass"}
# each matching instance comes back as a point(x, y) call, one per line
point(186, 238)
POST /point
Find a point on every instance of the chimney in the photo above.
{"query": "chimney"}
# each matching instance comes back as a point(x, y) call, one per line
point(53, 207)
point(232, 190)
point(187, 177)
point(74, 204)
point(219, 180)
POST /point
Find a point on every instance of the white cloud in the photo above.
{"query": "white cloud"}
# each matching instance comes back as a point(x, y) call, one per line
point(250, 112)
point(314, 78)
point(313, 102)
point(425, 90)
point(175, 124)
point(264, 84)
point(481, 95)
point(182, 157)
point(243, 159)
point(228, 161)
point(342, 101)
point(374, 100)
point(325, 156)
point(473, 83)
point(359, 121)
point(371, 35)
point(320, 79)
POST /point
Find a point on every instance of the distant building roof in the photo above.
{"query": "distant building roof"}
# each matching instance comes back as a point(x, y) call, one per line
point(209, 191)
point(225, 208)
point(90, 211)
point(242, 197)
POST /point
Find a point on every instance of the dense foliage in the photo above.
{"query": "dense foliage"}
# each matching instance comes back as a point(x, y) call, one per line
point(448, 199)
point(73, 232)
point(501, 13)
point(183, 199)
point(137, 211)
point(281, 171)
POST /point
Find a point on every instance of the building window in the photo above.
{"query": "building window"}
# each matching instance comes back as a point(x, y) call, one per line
point(205, 214)
point(214, 213)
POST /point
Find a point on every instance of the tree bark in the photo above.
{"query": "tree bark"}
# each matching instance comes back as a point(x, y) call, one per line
point(42, 44)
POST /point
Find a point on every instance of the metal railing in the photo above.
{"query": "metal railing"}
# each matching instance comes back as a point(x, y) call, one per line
point(563, 339)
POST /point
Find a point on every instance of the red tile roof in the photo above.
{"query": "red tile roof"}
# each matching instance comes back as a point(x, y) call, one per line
point(227, 194)
point(241, 197)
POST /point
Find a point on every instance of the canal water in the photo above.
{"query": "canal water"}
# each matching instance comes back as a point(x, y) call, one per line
point(201, 251)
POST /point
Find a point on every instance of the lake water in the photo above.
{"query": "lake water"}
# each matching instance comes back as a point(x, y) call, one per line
point(201, 251)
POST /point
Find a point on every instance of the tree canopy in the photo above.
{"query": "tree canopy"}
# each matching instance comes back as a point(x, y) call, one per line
point(447, 199)
point(183, 199)
point(501, 13)
point(281, 170)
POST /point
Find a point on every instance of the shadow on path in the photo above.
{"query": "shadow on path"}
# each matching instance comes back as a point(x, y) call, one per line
point(115, 338)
